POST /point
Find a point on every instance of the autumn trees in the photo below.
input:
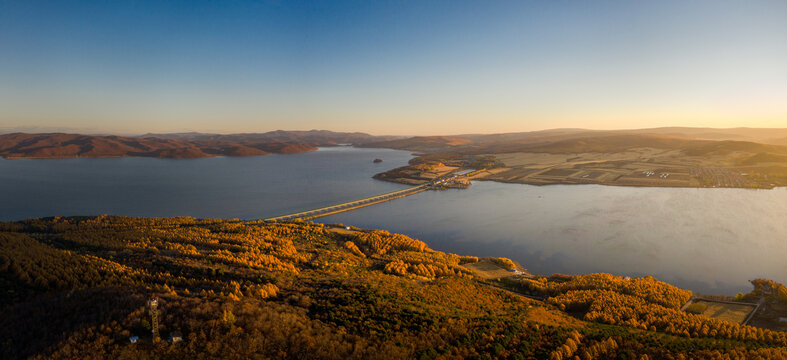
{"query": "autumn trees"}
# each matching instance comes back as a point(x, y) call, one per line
point(769, 289)
point(76, 287)
point(643, 303)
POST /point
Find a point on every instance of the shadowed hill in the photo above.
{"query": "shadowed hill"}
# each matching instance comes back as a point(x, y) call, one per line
point(760, 135)
point(727, 146)
point(422, 143)
point(309, 137)
point(60, 145)
point(73, 145)
point(181, 145)
point(582, 140)
point(763, 158)
point(600, 144)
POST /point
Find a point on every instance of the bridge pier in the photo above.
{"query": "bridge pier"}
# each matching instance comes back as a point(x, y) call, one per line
point(352, 205)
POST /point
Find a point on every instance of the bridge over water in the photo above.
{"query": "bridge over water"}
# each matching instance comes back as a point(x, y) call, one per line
point(351, 205)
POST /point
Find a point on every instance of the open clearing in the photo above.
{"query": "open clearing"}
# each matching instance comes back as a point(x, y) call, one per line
point(527, 159)
point(636, 167)
point(722, 165)
point(487, 269)
point(736, 313)
point(438, 172)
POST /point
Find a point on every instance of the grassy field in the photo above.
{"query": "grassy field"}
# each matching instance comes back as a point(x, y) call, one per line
point(635, 167)
point(736, 313)
point(438, 171)
point(487, 269)
point(654, 157)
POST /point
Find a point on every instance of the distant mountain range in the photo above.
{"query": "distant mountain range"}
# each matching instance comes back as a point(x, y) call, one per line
point(179, 145)
point(683, 157)
point(198, 145)
point(310, 137)
point(578, 140)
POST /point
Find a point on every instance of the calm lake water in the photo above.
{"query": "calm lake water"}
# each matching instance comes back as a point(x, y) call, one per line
point(220, 187)
point(707, 240)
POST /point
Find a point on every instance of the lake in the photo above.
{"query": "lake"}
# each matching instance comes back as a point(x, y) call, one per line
point(221, 187)
point(706, 240)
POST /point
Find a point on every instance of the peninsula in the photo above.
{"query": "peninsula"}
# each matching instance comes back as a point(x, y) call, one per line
point(663, 157)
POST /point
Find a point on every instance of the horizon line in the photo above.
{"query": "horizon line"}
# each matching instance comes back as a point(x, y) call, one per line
point(25, 130)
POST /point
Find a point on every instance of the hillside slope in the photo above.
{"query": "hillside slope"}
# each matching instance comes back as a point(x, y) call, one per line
point(238, 290)
point(309, 137)
point(664, 157)
point(59, 145)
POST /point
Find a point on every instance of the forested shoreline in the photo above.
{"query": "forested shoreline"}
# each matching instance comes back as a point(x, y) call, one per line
point(78, 288)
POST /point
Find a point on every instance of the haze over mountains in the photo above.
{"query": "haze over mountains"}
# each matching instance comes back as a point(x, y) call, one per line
point(198, 145)
point(533, 138)
point(310, 137)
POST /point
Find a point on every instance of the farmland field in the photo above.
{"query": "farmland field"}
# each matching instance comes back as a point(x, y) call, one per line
point(736, 313)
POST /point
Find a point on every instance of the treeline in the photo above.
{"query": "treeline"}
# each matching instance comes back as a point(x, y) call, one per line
point(647, 288)
point(41, 267)
point(77, 288)
point(610, 343)
point(618, 309)
point(380, 242)
point(424, 269)
point(769, 289)
point(405, 256)
point(643, 303)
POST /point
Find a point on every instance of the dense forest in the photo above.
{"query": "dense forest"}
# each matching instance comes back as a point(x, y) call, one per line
point(78, 288)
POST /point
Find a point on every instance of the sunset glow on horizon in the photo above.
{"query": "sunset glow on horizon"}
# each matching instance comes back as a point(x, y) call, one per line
point(399, 68)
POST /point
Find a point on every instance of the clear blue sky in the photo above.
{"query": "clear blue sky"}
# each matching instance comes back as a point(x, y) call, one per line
point(404, 67)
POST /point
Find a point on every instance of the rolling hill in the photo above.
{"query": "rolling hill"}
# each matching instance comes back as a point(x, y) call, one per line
point(76, 288)
point(185, 145)
point(668, 157)
point(554, 139)
point(309, 137)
